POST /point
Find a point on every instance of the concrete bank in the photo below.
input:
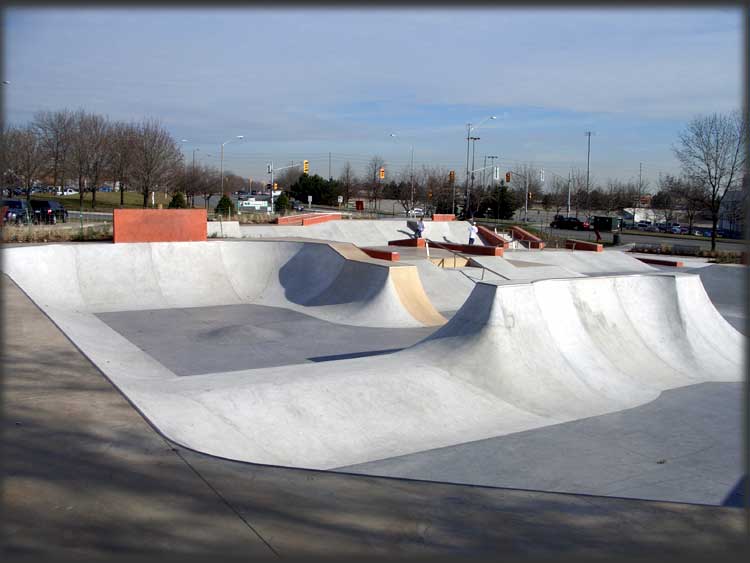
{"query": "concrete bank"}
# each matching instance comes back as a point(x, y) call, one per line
point(85, 475)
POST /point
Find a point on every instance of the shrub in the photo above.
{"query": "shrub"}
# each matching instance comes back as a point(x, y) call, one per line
point(281, 204)
point(224, 207)
point(178, 201)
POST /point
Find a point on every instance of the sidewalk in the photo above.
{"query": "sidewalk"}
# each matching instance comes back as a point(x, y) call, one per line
point(86, 475)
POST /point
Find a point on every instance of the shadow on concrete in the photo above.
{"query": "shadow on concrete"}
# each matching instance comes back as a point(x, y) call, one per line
point(737, 496)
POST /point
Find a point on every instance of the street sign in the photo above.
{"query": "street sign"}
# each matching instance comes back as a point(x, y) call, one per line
point(309, 199)
point(341, 199)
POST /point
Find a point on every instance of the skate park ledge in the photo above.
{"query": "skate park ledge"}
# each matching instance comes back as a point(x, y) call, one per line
point(660, 262)
point(308, 219)
point(491, 237)
point(159, 225)
point(524, 235)
point(471, 249)
point(574, 244)
point(382, 254)
point(443, 217)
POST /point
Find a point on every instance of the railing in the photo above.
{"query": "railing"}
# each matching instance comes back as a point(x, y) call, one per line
point(464, 256)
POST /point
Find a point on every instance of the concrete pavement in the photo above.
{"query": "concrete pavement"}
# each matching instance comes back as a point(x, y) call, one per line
point(86, 475)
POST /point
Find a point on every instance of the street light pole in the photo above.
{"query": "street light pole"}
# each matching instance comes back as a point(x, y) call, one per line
point(469, 129)
point(221, 167)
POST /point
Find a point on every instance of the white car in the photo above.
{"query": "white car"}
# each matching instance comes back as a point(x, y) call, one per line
point(67, 191)
point(416, 211)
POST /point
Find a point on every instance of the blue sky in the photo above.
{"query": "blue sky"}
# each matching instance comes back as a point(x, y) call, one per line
point(300, 83)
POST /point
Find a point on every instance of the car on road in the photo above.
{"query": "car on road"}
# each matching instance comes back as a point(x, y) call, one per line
point(48, 211)
point(414, 212)
point(18, 211)
point(299, 207)
point(574, 223)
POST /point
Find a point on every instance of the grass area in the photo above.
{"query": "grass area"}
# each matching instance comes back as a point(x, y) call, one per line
point(105, 201)
point(684, 237)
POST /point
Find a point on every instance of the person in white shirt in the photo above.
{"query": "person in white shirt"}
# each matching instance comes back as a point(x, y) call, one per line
point(472, 232)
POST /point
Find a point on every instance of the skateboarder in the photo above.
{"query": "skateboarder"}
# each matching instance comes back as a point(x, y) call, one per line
point(472, 232)
point(420, 227)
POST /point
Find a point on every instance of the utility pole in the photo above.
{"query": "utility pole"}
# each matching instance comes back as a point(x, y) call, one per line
point(468, 138)
point(569, 178)
point(329, 167)
point(473, 152)
point(484, 167)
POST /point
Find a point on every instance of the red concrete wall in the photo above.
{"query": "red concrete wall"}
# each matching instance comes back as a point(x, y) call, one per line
point(382, 254)
point(159, 225)
point(491, 238)
point(307, 218)
point(443, 217)
point(319, 218)
point(523, 234)
point(659, 262)
point(415, 242)
point(472, 249)
point(573, 244)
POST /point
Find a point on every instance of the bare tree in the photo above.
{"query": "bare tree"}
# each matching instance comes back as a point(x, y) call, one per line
point(120, 149)
point(156, 156)
point(97, 130)
point(8, 175)
point(55, 130)
point(28, 157)
point(711, 151)
point(373, 179)
point(348, 181)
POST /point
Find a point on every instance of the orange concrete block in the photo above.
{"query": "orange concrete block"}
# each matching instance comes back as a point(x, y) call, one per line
point(491, 238)
point(443, 217)
point(159, 225)
point(660, 262)
point(382, 254)
point(415, 242)
point(523, 234)
point(573, 244)
point(320, 218)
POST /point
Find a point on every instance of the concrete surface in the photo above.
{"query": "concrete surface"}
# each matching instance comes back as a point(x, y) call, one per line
point(364, 232)
point(223, 229)
point(199, 340)
point(84, 475)
point(685, 446)
point(513, 358)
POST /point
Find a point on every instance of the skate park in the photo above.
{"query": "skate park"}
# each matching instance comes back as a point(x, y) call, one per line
point(577, 372)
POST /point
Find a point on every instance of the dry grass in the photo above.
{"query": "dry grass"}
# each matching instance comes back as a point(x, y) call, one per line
point(41, 233)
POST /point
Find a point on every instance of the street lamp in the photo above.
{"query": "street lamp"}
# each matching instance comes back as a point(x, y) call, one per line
point(221, 172)
point(411, 172)
point(469, 129)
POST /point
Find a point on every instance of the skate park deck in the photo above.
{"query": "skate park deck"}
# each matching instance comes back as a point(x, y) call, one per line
point(87, 475)
point(213, 345)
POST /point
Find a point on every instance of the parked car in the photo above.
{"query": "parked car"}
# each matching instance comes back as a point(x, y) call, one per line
point(299, 207)
point(573, 223)
point(48, 211)
point(643, 225)
point(18, 211)
point(67, 191)
point(416, 211)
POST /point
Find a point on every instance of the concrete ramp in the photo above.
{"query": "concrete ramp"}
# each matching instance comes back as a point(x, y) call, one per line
point(364, 232)
point(583, 262)
point(338, 283)
point(513, 358)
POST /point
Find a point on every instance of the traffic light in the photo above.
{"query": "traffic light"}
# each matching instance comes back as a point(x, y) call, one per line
point(275, 185)
point(507, 177)
point(531, 196)
point(382, 173)
point(305, 166)
point(452, 176)
point(429, 195)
